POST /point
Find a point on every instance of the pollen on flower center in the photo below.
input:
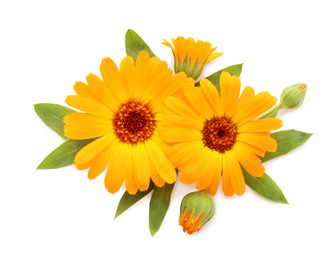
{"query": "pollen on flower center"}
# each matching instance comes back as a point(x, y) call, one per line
point(219, 134)
point(134, 122)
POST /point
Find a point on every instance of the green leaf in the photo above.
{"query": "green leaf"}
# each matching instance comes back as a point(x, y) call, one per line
point(64, 154)
point(287, 140)
point(235, 70)
point(265, 186)
point(158, 207)
point(52, 115)
point(134, 44)
point(128, 200)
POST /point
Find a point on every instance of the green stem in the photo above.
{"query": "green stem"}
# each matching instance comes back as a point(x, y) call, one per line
point(273, 112)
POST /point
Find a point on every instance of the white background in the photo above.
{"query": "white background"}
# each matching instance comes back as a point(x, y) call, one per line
point(45, 46)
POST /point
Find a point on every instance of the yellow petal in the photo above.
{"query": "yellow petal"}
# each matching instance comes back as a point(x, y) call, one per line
point(89, 105)
point(194, 168)
point(225, 78)
point(172, 120)
point(226, 182)
point(183, 109)
point(131, 186)
point(246, 96)
point(234, 171)
point(212, 96)
point(155, 177)
point(230, 89)
point(93, 149)
point(141, 166)
point(183, 152)
point(265, 124)
point(113, 81)
point(102, 160)
point(213, 168)
point(262, 142)
point(198, 102)
point(126, 73)
point(213, 56)
point(121, 159)
point(254, 108)
point(176, 83)
point(179, 134)
point(82, 89)
point(161, 163)
point(214, 185)
point(248, 160)
point(101, 92)
point(141, 75)
point(80, 126)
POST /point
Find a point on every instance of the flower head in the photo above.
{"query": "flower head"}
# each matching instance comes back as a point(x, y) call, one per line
point(195, 210)
point(191, 56)
point(215, 134)
point(123, 112)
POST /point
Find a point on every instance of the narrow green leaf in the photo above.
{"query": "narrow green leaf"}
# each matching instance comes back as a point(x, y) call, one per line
point(134, 44)
point(128, 200)
point(158, 207)
point(52, 115)
point(287, 140)
point(63, 155)
point(235, 70)
point(265, 186)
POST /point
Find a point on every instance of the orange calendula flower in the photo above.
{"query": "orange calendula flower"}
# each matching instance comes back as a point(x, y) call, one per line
point(123, 112)
point(191, 56)
point(214, 134)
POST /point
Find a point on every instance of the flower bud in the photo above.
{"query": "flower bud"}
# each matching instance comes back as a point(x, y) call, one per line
point(292, 97)
point(191, 56)
point(195, 210)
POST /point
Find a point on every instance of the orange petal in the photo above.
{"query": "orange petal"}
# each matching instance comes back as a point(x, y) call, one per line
point(93, 149)
point(113, 81)
point(246, 96)
point(213, 168)
point(254, 108)
point(265, 124)
point(89, 105)
point(181, 108)
point(212, 96)
point(121, 159)
point(198, 101)
point(234, 171)
point(248, 160)
point(257, 140)
point(80, 126)
point(141, 165)
point(160, 161)
point(102, 160)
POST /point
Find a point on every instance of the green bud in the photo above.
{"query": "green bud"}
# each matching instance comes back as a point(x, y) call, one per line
point(292, 97)
point(195, 210)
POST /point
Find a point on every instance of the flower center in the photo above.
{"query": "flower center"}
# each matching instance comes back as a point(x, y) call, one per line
point(219, 134)
point(134, 122)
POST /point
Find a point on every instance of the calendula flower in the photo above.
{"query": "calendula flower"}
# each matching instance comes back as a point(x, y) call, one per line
point(123, 112)
point(196, 209)
point(215, 134)
point(191, 56)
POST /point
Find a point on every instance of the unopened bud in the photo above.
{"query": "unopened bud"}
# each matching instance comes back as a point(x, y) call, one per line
point(195, 210)
point(292, 97)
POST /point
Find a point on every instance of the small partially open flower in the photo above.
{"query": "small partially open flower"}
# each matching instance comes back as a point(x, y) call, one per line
point(195, 210)
point(292, 97)
point(191, 56)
